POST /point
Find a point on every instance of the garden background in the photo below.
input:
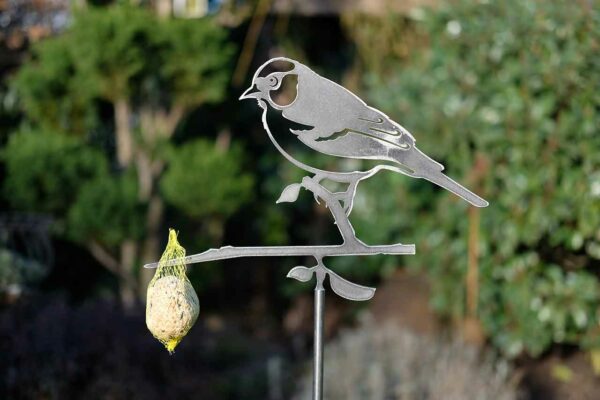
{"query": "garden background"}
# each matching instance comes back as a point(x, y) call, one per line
point(121, 119)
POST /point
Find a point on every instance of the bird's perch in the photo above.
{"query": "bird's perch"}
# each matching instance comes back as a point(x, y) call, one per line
point(351, 246)
point(318, 252)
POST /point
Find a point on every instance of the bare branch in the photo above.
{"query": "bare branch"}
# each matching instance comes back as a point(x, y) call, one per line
point(109, 262)
point(124, 138)
point(172, 119)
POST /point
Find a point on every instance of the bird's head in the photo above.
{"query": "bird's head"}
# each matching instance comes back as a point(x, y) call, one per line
point(266, 83)
point(263, 86)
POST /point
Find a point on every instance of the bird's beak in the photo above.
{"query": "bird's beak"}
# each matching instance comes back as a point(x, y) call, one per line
point(251, 93)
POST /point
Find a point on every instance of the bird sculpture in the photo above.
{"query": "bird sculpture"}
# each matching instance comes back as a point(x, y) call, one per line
point(330, 119)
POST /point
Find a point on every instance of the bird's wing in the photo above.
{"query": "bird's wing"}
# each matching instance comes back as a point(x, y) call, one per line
point(334, 111)
point(321, 103)
point(374, 123)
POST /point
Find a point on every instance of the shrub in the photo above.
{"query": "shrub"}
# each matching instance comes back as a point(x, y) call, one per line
point(381, 362)
point(506, 95)
point(203, 180)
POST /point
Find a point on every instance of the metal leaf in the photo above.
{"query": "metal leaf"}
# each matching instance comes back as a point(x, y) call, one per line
point(301, 274)
point(289, 194)
point(349, 290)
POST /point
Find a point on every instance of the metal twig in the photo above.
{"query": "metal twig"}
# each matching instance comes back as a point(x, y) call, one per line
point(351, 246)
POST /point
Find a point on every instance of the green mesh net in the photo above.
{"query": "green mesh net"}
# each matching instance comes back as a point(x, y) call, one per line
point(172, 305)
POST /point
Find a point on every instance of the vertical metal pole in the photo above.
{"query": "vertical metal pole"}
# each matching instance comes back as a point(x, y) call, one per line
point(318, 341)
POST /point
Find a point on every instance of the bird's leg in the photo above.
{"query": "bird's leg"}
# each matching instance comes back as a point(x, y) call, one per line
point(334, 204)
point(347, 197)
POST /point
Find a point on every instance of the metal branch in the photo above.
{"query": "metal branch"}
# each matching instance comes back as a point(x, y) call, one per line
point(228, 252)
point(350, 247)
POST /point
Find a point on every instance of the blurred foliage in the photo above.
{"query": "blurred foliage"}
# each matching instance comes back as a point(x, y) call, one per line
point(120, 52)
point(45, 169)
point(111, 355)
point(377, 362)
point(8, 111)
point(102, 102)
point(17, 271)
point(107, 209)
point(377, 35)
point(194, 64)
point(65, 177)
point(507, 96)
point(50, 91)
point(204, 180)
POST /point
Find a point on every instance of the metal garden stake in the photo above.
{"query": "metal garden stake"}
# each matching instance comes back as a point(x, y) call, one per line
point(329, 119)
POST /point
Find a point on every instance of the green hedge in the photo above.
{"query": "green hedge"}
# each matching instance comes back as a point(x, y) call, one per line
point(507, 95)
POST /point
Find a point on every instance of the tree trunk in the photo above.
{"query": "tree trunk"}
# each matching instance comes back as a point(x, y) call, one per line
point(472, 280)
point(151, 247)
point(223, 141)
point(156, 125)
point(124, 138)
point(164, 8)
point(128, 287)
point(146, 177)
point(128, 291)
point(473, 330)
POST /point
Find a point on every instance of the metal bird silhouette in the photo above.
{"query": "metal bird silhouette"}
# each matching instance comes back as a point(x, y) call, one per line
point(330, 119)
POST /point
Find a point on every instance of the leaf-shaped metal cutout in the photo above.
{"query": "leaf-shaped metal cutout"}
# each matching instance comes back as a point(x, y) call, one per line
point(301, 274)
point(289, 194)
point(349, 290)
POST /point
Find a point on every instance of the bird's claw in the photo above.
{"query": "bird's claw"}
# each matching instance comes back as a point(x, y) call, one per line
point(316, 198)
point(347, 197)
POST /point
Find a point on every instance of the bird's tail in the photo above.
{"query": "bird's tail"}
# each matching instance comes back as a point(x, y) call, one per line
point(448, 183)
point(423, 166)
